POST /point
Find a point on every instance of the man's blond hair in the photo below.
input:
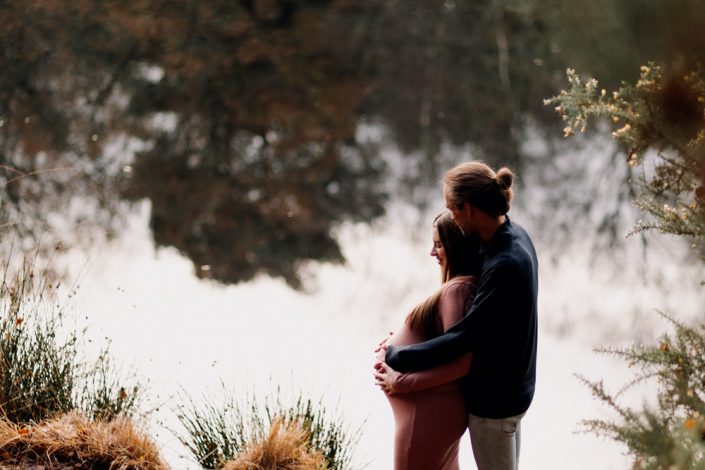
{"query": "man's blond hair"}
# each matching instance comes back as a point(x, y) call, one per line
point(477, 184)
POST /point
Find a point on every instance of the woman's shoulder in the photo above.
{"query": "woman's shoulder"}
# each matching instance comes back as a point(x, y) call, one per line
point(455, 299)
point(462, 280)
point(459, 284)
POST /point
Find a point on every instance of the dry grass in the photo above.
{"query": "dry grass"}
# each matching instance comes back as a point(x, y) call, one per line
point(284, 448)
point(72, 439)
point(219, 431)
point(43, 371)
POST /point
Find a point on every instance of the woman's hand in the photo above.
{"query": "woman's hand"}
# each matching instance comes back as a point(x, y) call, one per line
point(385, 377)
point(381, 349)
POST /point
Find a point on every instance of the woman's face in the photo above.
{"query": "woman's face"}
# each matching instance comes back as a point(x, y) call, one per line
point(438, 251)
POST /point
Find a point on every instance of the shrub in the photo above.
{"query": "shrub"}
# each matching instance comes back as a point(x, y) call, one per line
point(42, 373)
point(216, 434)
point(671, 433)
point(660, 123)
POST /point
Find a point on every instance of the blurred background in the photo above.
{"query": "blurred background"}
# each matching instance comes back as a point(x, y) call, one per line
point(241, 192)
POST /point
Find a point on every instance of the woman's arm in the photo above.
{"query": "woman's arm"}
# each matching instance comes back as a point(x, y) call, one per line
point(453, 303)
point(492, 296)
point(429, 378)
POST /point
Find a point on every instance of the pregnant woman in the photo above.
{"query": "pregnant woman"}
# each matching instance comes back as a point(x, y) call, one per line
point(428, 406)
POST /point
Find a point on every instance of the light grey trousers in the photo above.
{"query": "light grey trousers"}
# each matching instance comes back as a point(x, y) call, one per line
point(495, 442)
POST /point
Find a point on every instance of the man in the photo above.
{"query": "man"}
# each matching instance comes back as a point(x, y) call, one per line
point(501, 326)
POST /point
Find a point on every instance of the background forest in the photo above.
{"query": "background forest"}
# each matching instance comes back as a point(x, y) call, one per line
point(247, 115)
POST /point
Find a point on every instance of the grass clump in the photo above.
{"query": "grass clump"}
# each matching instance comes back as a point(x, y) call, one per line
point(219, 434)
point(286, 447)
point(72, 439)
point(42, 371)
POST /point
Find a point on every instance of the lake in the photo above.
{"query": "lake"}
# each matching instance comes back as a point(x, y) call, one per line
point(181, 334)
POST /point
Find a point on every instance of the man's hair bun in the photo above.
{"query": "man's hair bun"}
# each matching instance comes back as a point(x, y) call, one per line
point(477, 184)
point(504, 179)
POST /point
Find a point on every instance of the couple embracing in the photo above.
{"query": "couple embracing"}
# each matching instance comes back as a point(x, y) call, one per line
point(465, 358)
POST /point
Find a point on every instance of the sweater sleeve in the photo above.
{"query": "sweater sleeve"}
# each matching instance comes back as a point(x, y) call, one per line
point(451, 309)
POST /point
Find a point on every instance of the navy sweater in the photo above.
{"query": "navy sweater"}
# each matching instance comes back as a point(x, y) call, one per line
point(500, 329)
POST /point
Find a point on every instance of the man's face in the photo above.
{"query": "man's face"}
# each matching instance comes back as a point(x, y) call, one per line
point(461, 216)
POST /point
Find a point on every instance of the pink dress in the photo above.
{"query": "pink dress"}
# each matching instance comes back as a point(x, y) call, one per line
point(429, 410)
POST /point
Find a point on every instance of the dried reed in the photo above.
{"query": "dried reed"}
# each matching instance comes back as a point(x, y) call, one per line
point(286, 447)
point(72, 439)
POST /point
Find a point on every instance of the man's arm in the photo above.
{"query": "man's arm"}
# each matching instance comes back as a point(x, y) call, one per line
point(459, 339)
point(434, 377)
point(453, 303)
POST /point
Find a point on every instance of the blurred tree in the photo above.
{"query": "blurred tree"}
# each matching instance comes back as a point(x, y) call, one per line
point(259, 159)
point(462, 73)
point(245, 112)
point(244, 115)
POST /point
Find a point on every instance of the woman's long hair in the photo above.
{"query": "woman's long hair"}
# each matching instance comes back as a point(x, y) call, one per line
point(462, 259)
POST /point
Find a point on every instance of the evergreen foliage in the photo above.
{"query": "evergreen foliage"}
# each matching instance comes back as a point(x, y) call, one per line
point(660, 121)
point(671, 434)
